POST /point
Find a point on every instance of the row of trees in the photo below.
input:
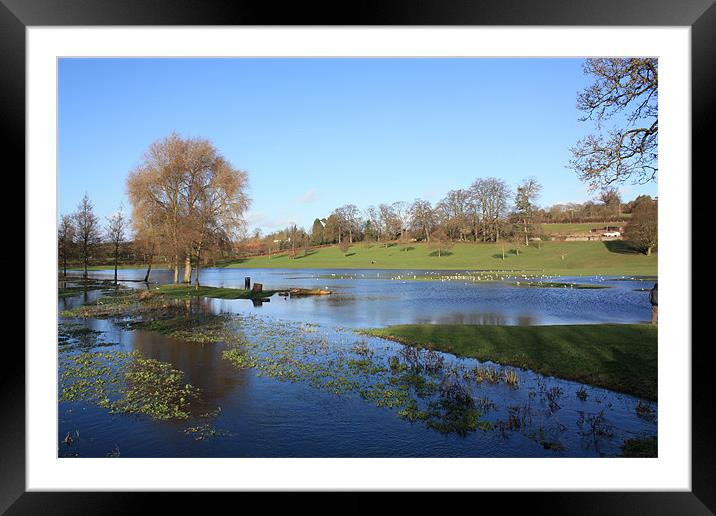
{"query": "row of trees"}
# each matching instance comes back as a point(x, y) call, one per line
point(80, 236)
point(476, 213)
point(187, 208)
point(486, 212)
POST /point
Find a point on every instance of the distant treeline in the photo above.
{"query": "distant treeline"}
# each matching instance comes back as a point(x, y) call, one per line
point(487, 211)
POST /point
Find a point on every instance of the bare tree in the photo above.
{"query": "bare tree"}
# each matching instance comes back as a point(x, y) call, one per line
point(422, 218)
point(487, 207)
point(372, 215)
point(116, 235)
point(189, 193)
point(402, 215)
point(628, 87)
point(390, 223)
point(453, 211)
point(65, 240)
point(87, 228)
point(350, 216)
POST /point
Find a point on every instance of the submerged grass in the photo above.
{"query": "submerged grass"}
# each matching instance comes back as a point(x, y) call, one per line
point(620, 357)
point(127, 382)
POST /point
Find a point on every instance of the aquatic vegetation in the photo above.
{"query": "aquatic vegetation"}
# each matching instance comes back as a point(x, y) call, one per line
point(126, 382)
point(485, 373)
point(553, 394)
point(645, 410)
point(361, 348)
point(156, 389)
point(455, 411)
point(71, 336)
point(239, 358)
point(594, 426)
point(582, 393)
point(509, 376)
point(205, 431)
point(485, 404)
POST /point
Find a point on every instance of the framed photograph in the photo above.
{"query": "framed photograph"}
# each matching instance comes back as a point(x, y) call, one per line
point(414, 250)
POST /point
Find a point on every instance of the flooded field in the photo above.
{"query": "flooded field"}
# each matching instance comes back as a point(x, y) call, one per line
point(293, 378)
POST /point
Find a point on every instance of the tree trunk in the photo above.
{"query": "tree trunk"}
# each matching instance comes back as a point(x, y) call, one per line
point(648, 251)
point(116, 259)
point(176, 269)
point(149, 269)
point(64, 264)
point(527, 242)
point(196, 274)
point(187, 268)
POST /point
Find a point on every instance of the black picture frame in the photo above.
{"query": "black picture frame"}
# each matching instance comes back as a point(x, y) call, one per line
point(700, 15)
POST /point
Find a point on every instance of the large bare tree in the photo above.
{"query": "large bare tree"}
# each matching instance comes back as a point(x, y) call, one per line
point(87, 229)
point(625, 91)
point(185, 190)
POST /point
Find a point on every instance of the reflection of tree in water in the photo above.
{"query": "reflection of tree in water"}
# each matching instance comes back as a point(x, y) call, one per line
point(486, 318)
point(201, 362)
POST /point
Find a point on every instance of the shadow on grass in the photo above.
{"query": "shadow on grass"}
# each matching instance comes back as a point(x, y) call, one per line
point(620, 247)
point(441, 253)
point(307, 253)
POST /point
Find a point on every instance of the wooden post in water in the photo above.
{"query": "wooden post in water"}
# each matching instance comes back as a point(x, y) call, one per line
point(258, 287)
point(247, 283)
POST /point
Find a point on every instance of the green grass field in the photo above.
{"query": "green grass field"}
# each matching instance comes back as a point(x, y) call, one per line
point(558, 258)
point(620, 357)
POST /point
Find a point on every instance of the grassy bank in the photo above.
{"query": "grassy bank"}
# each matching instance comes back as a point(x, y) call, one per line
point(558, 258)
point(188, 291)
point(620, 357)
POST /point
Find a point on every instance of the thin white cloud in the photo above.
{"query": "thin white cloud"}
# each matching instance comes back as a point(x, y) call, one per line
point(309, 197)
point(266, 222)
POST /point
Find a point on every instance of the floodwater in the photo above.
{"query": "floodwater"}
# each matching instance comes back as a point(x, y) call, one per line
point(262, 415)
point(370, 298)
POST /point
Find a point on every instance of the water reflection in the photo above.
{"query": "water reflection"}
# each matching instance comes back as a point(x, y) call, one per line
point(373, 298)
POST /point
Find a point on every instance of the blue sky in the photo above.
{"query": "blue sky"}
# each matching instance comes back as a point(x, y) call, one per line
point(315, 134)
